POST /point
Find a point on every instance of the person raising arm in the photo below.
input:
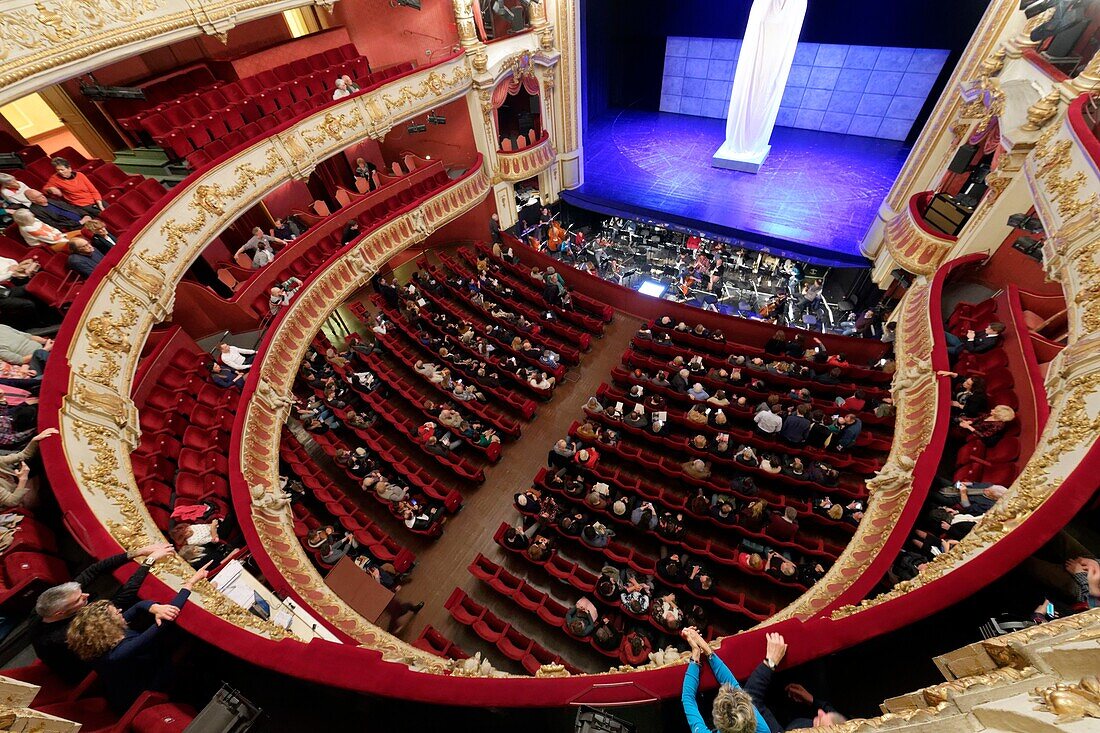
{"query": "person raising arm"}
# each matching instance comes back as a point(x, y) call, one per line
point(733, 710)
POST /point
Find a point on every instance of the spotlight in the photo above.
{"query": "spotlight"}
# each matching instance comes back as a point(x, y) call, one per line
point(414, 4)
point(416, 128)
point(1027, 222)
point(1029, 246)
point(435, 119)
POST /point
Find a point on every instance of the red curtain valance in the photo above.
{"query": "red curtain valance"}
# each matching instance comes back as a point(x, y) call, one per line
point(510, 87)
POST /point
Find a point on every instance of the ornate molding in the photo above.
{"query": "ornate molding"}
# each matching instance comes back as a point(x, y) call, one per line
point(263, 418)
point(98, 420)
point(911, 245)
point(47, 41)
point(521, 164)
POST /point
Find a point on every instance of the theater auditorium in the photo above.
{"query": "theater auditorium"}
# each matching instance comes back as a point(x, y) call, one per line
point(564, 366)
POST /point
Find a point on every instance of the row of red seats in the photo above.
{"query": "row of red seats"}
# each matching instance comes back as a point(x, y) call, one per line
point(457, 347)
point(506, 425)
point(652, 361)
point(219, 97)
point(824, 394)
point(574, 575)
point(530, 599)
point(309, 254)
point(406, 350)
point(29, 564)
point(163, 91)
point(856, 373)
point(111, 180)
point(873, 438)
point(696, 544)
point(183, 456)
point(581, 301)
point(152, 712)
point(55, 284)
point(623, 555)
point(479, 320)
point(461, 300)
point(652, 462)
point(509, 640)
point(677, 496)
point(748, 436)
point(504, 582)
point(536, 313)
point(415, 400)
point(347, 512)
point(402, 424)
point(433, 642)
point(974, 460)
point(526, 288)
point(410, 471)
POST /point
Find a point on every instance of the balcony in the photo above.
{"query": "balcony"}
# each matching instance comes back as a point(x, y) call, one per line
point(913, 242)
point(517, 165)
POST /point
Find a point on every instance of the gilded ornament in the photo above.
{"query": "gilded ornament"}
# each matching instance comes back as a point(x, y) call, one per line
point(1043, 111)
point(1071, 702)
point(434, 83)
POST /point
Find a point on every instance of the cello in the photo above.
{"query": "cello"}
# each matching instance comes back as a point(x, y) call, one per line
point(555, 235)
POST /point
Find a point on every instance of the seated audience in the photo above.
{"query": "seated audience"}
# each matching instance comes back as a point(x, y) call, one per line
point(83, 257)
point(75, 187)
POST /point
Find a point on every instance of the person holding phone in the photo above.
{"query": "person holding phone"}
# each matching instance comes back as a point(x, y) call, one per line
point(17, 487)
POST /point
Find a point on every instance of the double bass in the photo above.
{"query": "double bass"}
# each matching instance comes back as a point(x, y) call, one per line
point(555, 235)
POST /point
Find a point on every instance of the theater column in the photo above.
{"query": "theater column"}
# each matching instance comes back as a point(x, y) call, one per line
point(565, 94)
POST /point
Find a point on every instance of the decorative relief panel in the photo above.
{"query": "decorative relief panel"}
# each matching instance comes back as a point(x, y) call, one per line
point(910, 243)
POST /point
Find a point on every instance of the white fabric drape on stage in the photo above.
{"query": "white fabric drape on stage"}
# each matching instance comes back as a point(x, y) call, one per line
point(762, 69)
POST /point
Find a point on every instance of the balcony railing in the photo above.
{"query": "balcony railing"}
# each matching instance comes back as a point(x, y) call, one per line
point(516, 165)
point(914, 243)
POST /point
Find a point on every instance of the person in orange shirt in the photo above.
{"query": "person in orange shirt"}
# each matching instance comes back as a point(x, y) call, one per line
point(75, 187)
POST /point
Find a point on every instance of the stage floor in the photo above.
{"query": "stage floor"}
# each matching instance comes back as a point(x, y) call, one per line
point(815, 197)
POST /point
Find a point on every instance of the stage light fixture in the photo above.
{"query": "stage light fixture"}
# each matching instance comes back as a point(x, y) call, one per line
point(1029, 246)
point(1028, 222)
point(414, 4)
point(416, 128)
point(435, 119)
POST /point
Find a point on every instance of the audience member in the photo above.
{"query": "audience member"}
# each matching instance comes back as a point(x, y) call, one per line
point(75, 187)
point(83, 257)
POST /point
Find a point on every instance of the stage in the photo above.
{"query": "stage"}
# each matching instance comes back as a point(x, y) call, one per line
point(815, 197)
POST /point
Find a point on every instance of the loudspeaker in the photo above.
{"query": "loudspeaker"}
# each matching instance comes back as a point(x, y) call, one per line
point(961, 162)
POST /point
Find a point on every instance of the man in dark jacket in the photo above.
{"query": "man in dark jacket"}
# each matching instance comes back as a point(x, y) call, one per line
point(55, 212)
point(56, 607)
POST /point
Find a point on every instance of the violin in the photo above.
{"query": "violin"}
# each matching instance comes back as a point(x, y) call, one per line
point(555, 236)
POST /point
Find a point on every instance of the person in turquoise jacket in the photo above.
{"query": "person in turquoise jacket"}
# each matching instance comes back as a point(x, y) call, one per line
point(734, 710)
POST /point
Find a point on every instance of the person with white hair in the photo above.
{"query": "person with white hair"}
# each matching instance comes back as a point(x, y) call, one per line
point(57, 606)
point(341, 89)
point(37, 233)
point(13, 191)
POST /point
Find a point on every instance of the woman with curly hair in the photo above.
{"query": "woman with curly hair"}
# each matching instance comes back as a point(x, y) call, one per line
point(127, 662)
point(734, 709)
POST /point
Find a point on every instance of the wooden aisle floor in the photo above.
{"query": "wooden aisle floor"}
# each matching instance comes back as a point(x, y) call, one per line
point(442, 564)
